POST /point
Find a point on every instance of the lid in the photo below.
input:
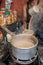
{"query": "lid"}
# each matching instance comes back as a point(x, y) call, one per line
point(36, 9)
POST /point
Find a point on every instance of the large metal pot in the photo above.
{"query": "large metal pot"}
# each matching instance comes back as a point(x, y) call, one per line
point(24, 53)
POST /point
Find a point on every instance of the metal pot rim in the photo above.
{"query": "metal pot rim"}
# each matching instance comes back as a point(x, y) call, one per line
point(29, 47)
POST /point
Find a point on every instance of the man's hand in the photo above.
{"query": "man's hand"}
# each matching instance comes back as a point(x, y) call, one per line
point(12, 34)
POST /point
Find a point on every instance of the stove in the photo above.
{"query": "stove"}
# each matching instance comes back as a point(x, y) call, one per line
point(34, 63)
point(38, 61)
point(23, 62)
point(9, 61)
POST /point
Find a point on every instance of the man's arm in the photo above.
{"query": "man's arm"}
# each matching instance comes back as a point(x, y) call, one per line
point(3, 26)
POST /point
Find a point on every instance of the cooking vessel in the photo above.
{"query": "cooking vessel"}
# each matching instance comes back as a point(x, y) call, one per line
point(24, 53)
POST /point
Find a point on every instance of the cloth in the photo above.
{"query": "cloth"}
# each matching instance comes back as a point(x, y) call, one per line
point(37, 26)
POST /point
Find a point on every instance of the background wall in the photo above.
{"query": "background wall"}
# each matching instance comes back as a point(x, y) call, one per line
point(18, 5)
point(2, 4)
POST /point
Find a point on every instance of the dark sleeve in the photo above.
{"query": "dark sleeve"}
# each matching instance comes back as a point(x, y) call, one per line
point(12, 27)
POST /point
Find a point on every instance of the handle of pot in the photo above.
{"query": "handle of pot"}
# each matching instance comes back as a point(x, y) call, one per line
point(28, 31)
